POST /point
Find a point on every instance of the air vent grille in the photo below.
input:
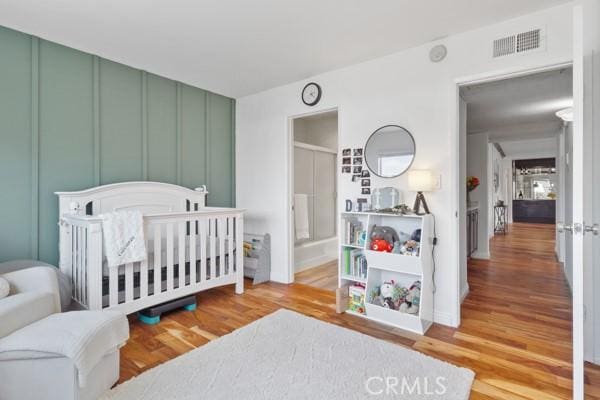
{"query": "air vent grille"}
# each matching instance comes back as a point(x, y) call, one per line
point(528, 41)
point(518, 43)
point(504, 46)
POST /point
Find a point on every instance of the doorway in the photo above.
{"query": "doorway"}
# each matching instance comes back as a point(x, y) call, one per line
point(516, 154)
point(314, 183)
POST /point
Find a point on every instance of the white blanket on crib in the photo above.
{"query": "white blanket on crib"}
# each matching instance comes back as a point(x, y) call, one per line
point(123, 233)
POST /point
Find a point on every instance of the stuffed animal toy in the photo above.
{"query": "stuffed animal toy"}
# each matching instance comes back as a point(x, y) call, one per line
point(384, 232)
point(400, 293)
point(387, 292)
point(381, 245)
point(412, 300)
point(410, 248)
point(416, 235)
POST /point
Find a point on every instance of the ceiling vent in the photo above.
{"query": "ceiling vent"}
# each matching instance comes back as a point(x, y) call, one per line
point(519, 43)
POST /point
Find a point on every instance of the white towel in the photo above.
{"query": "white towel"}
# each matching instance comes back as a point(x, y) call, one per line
point(123, 233)
point(301, 216)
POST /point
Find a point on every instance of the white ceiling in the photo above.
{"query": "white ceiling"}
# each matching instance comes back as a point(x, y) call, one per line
point(239, 47)
point(519, 108)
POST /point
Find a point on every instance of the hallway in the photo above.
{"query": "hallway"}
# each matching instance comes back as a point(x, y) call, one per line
point(519, 301)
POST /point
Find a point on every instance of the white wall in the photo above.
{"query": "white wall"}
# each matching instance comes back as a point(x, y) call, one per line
point(462, 199)
point(477, 165)
point(494, 158)
point(322, 131)
point(404, 88)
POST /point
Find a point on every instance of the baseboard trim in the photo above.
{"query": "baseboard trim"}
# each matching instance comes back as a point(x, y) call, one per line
point(481, 255)
point(464, 293)
point(444, 318)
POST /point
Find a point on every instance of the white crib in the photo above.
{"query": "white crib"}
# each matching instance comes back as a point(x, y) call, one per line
point(190, 247)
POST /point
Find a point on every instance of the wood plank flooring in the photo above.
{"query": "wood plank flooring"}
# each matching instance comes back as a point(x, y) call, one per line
point(323, 276)
point(515, 332)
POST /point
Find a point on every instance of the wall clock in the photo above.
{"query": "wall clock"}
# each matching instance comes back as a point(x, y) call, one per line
point(311, 94)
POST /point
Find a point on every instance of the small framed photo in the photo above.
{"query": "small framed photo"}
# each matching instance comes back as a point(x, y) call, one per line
point(357, 161)
point(365, 173)
point(346, 170)
point(356, 178)
point(366, 190)
point(346, 161)
point(357, 152)
point(346, 153)
point(357, 169)
point(365, 182)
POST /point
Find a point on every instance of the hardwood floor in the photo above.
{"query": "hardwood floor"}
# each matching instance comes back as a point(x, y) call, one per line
point(323, 277)
point(515, 332)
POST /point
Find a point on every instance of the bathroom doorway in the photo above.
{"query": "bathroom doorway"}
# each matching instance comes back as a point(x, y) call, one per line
point(314, 182)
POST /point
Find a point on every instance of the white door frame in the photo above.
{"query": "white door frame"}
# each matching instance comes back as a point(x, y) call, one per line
point(290, 180)
point(459, 179)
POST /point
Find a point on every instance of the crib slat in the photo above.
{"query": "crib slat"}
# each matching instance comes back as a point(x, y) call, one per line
point(113, 286)
point(192, 252)
point(75, 263)
point(239, 254)
point(144, 274)
point(79, 261)
point(181, 263)
point(222, 235)
point(213, 246)
point(157, 259)
point(84, 281)
point(128, 282)
point(202, 230)
point(230, 240)
point(73, 260)
point(169, 256)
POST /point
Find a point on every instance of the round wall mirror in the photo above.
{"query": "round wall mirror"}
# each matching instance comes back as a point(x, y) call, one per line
point(390, 151)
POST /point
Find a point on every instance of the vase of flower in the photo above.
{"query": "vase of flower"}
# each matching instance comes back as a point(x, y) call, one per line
point(472, 183)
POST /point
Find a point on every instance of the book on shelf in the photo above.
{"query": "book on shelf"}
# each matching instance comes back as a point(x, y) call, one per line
point(354, 233)
point(355, 263)
point(356, 294)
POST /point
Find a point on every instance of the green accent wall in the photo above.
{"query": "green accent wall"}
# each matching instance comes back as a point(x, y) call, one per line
point(71, 120)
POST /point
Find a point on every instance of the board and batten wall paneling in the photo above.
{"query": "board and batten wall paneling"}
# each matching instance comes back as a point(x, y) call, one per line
point(70, 120)
point(66, 138)
point(15, 145)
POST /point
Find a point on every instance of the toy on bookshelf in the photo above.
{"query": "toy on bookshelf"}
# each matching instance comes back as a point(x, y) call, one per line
point(395, 297)
point(386, 239)
point(356, 294)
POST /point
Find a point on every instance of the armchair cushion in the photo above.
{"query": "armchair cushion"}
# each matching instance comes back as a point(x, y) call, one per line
point(4, 288)
point(19, 310)
point(64, 282)
point(84, 337)
point(33, 296)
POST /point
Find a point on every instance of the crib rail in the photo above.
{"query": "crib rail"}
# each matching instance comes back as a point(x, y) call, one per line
point(186, 252)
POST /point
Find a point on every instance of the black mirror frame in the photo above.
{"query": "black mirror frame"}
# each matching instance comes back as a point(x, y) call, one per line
point(369, 139)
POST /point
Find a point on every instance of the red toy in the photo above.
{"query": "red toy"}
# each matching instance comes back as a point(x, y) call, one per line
point(381, 245)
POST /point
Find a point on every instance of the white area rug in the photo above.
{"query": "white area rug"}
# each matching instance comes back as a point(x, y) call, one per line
point(286, 355)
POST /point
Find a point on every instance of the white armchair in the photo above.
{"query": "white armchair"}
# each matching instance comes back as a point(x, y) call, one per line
point(45, 354)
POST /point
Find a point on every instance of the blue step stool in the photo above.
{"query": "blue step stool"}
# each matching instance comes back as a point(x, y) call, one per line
point(151, 315)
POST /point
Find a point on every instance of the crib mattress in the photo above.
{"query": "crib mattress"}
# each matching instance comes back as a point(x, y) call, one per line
point(163, 257)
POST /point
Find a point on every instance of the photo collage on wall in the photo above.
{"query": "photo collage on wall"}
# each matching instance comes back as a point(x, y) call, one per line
point(352, 163)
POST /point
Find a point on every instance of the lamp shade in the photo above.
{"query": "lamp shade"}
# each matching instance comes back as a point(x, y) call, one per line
point(421, 180)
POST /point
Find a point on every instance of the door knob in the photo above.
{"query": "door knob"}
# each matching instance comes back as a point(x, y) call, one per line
point(561, 227)
point(595, 229)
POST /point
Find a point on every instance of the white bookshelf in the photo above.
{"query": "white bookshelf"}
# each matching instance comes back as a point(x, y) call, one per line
point(403, 269)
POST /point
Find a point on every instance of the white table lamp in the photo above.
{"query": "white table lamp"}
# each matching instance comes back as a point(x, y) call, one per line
point(421, 180)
